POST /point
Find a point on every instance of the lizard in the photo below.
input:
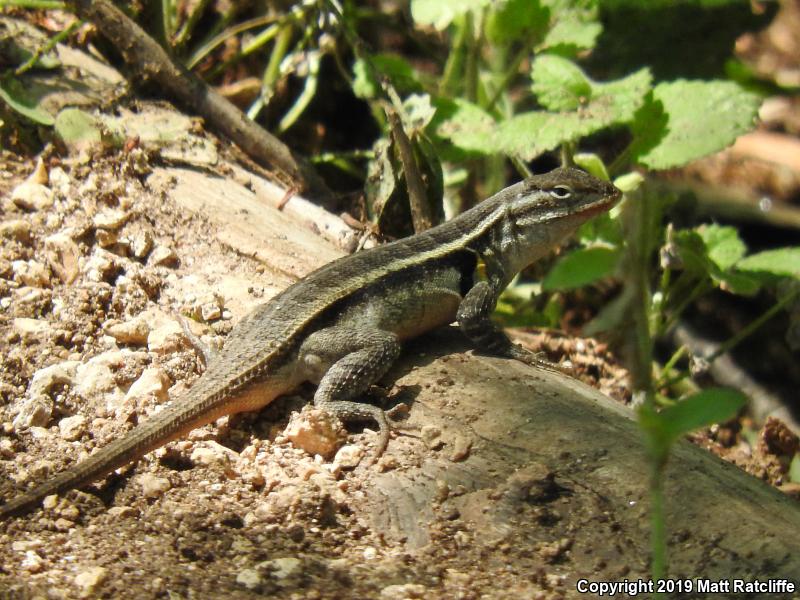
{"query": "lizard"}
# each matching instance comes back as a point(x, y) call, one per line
point(342, 326)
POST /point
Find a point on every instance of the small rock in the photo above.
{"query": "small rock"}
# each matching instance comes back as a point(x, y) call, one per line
point(63, 524)
point(63, 256)
point(348, 456)
point(141, 242)
point(110, 219)
point(45, 379)
point(370, 553)
point(283, 568)
point(72, 428)
point(31, 272)
point(101, 266)
point(39, 173)
point(95, 382)
point(250, 578)
point(432, 436)
point(59, 180)
point(34, 411)
point(30, 327)
point(152, 383)
point(7, 448)
point(32, 196)
point(164, 256)
point(32, 563)
point(152, 486)
point(404, 591)
point(316, 431)
point(461, 448)
point(106, 238)
point(122, 512)
point(211, 452)
point(89, 580)
point(17, 229)
point(166, 337)
point(134, 331)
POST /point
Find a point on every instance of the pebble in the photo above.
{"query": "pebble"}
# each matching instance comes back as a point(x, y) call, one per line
point(110, 219)
point(348, 456)
point(72, 428)
point(34, 411)
point(152, 383)
point(404, 591)
point(16, 229)
point(166, 337)
point(133, 331)
point(30, 327)
point(32, 196)
point(249, 578)
point(59, 374)
point(152, 486)
point(432, 436)
point(315, 431)
point(164, 256)
point(32, 563)
point(63, 256)
point(89, 580)
point(461, 449)
point(31, 272)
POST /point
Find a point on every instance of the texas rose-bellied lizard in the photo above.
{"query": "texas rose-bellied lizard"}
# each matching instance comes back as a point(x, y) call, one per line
point(342, 326)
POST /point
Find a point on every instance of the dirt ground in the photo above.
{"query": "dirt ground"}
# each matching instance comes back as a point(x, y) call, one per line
point(95, 266)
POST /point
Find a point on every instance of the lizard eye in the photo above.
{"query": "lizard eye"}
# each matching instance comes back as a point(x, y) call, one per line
point(561, 192)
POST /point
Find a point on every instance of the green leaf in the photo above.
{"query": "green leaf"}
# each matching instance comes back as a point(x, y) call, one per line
point(512, 20)
point(705, 258)
point(440, 13)
point(78, 129)
point(559, 84)
point(684, 120)
point(17, 97)
point(581, 267)
point(574, 26)
point(593, 164)
point(784, 262)
point(530, 134)
point(467, 125)
point(723, 244)
point(699, 410)
point(397, 69)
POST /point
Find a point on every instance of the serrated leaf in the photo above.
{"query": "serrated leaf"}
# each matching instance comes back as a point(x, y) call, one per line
point(467, 125)
point(723, 244)
point(783, 262)
point(696, 256)
point(512, 20)
point(581, 267)
point(440, 13)
point(699, 410)
point(572, 35)
point(559, 84)
point(685, 120)
point(17, 97)
point(532, 133)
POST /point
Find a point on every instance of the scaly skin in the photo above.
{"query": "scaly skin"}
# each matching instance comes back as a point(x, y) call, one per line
point(341, 327)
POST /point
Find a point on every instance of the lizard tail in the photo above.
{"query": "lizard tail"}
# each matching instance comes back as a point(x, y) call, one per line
point(170, 423)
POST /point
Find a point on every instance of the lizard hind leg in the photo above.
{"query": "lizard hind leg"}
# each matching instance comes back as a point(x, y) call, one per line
point(366, 358)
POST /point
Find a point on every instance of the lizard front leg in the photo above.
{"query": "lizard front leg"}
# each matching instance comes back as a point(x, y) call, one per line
point(358, 359)
point(473, 319)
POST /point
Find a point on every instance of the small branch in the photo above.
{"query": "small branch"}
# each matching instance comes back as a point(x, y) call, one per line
point(153, 63)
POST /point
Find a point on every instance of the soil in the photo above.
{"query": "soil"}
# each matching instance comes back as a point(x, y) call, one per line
point(235, 510)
